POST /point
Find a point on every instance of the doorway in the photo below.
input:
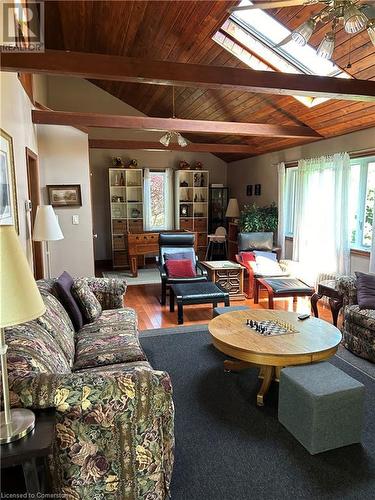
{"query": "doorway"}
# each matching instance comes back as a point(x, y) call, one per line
point(34, 197)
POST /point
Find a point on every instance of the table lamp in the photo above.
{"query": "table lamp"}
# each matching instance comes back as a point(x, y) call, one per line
point(46, 228)
point(233, 211)
point(20, 301)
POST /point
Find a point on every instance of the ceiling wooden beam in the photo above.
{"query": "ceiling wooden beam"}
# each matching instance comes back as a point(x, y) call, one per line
point(176, 124)
point(191, 147)
point(126, 69)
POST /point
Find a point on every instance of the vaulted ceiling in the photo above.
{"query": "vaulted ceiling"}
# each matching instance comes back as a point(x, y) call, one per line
point(181, 31)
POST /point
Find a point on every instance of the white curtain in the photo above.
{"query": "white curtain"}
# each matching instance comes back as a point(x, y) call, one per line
point(281, 208)
point(146, 200)
point(321, 224)
point(169, 204)
point(372, 255)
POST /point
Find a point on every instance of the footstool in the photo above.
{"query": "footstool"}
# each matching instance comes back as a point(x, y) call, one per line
point(222, 310)
point(204, 292)
point(281, 287)
point(321, 406)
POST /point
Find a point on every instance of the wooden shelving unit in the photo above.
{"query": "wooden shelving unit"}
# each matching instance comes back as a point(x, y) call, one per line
point(126, 200)
point(191, 204)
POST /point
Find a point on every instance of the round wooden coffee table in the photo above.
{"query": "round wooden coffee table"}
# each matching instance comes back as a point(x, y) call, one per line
point(315, 340)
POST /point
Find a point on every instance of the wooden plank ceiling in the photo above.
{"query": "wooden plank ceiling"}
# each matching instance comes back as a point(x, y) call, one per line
point(181, 31)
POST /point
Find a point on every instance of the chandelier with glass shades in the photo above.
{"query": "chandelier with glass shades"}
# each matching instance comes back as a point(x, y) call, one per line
point(172, 134)
point(355, 15)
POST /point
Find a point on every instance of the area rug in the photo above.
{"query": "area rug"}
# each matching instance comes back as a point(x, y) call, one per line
point(145, 276)
point(229, 449)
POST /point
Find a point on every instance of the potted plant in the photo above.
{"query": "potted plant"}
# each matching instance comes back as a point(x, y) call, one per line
point(254, 219)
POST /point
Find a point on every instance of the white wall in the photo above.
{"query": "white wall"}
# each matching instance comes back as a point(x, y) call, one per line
point(64, 159)
point(15, 120)
point(262, 170)
point(72, 94)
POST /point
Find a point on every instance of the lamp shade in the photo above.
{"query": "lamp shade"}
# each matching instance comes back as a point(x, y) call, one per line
point(20, 300)
point(232, 209)
point(46, 226)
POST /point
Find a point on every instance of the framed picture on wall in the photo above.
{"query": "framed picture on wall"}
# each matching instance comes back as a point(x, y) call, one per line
point(64, 195)
point(8, 188)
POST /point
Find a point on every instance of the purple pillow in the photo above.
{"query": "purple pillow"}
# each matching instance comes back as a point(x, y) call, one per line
point(63, 286)
point(365, 290)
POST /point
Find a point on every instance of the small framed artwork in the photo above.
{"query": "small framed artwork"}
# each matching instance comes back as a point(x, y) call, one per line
point(257, 189)
point(249, 190)
point(64, 195)
point(8, 188)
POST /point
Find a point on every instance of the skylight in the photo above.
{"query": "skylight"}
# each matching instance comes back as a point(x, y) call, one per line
point(252, 36)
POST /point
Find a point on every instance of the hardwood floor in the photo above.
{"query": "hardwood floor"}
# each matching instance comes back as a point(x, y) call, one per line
point(145, 300)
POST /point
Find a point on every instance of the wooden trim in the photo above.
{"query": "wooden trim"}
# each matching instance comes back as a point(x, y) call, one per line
point(137, 70)
point(362, 153)
point(202, 147)
point(176, 124)
point(360, 253)
point(42, 107)
point(26, 80)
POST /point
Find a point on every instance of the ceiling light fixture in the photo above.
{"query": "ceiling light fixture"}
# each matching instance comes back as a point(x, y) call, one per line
point(371, 30)
point(325, 49)
point(354, 19)
point(302, 34)
point(170, 134)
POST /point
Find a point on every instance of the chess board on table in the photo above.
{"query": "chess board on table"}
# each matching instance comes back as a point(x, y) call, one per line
point(269, 328)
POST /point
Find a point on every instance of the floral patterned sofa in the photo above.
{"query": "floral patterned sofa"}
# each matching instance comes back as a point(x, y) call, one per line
point(359, 325)
point(114, 435)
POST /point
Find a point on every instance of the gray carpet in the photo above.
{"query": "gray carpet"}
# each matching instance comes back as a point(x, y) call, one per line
point(229, 449)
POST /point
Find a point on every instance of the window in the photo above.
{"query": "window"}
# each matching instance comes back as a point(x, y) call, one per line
point(157, 200)
point(361, 201)
point(252, 37)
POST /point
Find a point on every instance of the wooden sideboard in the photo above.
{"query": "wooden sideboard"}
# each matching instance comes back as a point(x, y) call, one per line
point(145, 243)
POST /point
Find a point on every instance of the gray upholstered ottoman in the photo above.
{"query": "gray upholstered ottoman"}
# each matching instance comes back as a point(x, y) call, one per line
point(222, 310)
point(321, 406)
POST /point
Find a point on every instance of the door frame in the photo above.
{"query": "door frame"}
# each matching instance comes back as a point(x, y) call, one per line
point(33, 185)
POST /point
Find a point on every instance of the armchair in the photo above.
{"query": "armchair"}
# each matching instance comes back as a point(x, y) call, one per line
point(172, 243)
point(358, 329)
point(248, 242)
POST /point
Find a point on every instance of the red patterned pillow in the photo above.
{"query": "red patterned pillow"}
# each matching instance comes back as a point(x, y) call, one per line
point(247, 257)
point(182, 268)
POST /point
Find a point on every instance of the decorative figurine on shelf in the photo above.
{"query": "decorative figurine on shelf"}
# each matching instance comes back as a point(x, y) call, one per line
point(184, 165)
point(117, 180)
point(117, 161)
point(133, 164)
point(184, 210)
point(135, 213)
point(122, 179)
point(198, 165)
point(184, 184)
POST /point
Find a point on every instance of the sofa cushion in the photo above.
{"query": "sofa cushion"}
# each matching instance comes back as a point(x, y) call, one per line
point(119, 367)
point(58, 324)
point(366, 290)
point(112, 339)
point(88, 303)
point(361, 317)
point(31, 349)
point(64, 285)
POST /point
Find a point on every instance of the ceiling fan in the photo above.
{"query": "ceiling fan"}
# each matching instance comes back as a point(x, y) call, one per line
point(355, 15)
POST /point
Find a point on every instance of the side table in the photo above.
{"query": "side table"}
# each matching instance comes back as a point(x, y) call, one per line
point(227, 274)
point(328, 289)
point(32, 450)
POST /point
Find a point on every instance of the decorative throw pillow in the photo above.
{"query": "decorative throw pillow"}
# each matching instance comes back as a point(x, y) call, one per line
point(88, 303)
point(182, 268)
point(247, 256)
point(64, 285)
point(179, 256)
point(365, 290)
point(267, 255)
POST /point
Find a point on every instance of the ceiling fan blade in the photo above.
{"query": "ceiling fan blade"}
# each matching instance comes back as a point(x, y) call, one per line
point(270, 5)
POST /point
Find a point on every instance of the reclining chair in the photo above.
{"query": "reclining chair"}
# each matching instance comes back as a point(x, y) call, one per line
point(248, 242)
point(178, 243)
